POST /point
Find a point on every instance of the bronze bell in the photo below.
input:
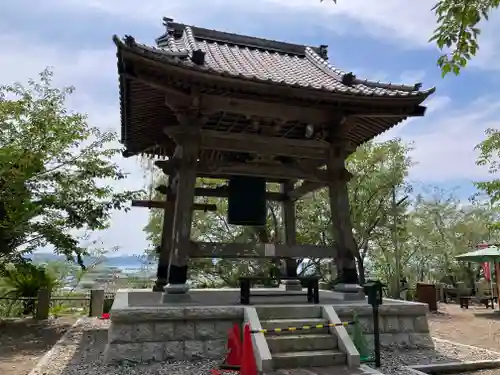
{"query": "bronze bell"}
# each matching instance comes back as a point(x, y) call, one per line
point(247, 201)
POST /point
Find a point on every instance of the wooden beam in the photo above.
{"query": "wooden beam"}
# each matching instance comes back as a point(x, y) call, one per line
point(252, 107)
point(415, 111)
point(163, 205)
point(319, 114)
point(268, 171)
point(259, 144)
point(237, 250)
point(223, 192)
point(305, 188)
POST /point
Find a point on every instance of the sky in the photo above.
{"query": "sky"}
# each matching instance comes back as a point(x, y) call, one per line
point(384, 40)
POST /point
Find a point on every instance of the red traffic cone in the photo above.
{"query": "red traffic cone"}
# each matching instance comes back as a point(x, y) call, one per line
point(216, 372)
point(234, 347)
point(248, 365)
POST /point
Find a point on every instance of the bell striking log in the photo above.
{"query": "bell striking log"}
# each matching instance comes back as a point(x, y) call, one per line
point(247, 201)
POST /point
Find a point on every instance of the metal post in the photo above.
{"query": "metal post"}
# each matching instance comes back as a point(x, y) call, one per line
point(376, 335)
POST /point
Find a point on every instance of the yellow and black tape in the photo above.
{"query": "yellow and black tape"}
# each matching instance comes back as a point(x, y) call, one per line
point(303, 328)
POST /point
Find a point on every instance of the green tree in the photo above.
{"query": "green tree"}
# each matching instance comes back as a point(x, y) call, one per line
point(24, 280)
point(489, 156)
point(457, 30)
point(54, 172)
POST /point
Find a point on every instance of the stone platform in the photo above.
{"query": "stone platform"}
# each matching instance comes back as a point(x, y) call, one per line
point(145, 329)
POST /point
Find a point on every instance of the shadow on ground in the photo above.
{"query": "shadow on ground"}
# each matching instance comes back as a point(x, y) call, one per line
point(24, 341)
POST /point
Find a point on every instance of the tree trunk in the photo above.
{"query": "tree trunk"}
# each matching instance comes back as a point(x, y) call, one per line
point(361, 270)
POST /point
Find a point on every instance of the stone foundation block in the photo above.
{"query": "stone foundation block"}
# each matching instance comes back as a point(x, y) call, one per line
point(164, 331)
point(391, 324)
point(421, 324)
point(119, 333)
point(116, 353)
point(193, 349)
point(174, 350)
point(406, 324)
point(215, 348)
point(184, 330)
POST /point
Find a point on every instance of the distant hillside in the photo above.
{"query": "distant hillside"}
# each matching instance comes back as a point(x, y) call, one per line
point(129, 261)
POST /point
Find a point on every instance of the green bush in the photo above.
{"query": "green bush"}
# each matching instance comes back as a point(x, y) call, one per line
point(108, 302)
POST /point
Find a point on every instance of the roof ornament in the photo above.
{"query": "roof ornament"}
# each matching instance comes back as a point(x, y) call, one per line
point(129, 41)
point(323, 51)
point(198, 57)
point(170, 29)
point(348, 79)
point(417, 86)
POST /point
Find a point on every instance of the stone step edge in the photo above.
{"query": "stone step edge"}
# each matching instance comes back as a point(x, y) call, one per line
point(306, 336)
point(295, 322)
point(308, 353)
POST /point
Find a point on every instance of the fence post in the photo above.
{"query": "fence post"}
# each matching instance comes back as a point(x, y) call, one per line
point(43, 304)
point(96, 302)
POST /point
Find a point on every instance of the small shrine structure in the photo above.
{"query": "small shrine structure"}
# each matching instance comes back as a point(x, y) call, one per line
point(249, 110)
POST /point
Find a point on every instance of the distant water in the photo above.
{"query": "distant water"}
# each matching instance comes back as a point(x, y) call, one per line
point(124, 262)
point(130, 267)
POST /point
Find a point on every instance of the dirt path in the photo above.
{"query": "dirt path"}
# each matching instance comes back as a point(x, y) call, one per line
point(476, 326)
point(25, 341)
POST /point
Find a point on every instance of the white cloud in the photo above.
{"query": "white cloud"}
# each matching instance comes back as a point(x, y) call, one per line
point(445, 149)
point(436, 103)
point(412, 76)
point(408, 23)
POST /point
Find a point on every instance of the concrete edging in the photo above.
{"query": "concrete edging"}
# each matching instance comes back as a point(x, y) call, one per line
point(465, 345)
point(262, 354)
point(344, 341)
point(455, 366)
point(42, 362)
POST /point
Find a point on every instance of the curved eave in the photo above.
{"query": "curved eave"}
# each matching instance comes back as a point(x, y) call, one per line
point(157, 56)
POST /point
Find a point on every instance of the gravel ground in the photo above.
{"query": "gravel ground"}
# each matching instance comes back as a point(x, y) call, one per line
point(82, 353)
point(393, 361)
point(474, 326)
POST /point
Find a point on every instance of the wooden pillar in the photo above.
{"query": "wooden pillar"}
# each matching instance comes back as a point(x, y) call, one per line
point(186, 154)
point(166, 240)
point(340, 211)
point(290, 227)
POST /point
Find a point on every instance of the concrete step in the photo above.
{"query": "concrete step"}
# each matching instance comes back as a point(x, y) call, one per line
point(319, 358)
point(286, 323)
point(288, 312)
point(300, 342)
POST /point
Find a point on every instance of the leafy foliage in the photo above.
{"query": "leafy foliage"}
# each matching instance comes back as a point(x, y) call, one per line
point(489, 156)
point(458, 31)
point(54, 172)
point(25, 280)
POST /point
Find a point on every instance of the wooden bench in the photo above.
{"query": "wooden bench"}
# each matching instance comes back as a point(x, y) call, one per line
point(465, 300)
point(312, 283)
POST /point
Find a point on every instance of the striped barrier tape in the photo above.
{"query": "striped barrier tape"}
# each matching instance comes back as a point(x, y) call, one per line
point(303, 328)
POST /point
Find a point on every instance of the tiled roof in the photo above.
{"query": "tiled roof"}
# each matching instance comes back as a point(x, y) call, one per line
point(263, 60)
